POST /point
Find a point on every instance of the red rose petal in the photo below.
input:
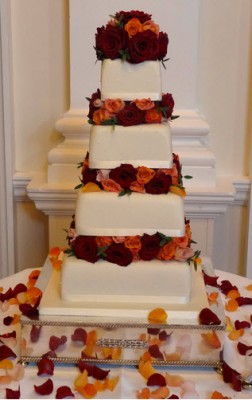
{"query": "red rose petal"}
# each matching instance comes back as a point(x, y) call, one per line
point(7, 320)
point(7, 295)
point(35, 333)
point(163, 335)
point(64, 392)
point(50, 354)
point(210, 280)
point(79, 335)
point(82, 365)
point(19, 288)
point(45, 388)
point(9, 335)
point(243, 348)
point(155, 352)
point(208, 317)
point(156, 379)
point(243, 301)
point(55, 342)
point(87, 356)
point(45, 367)
point(241, 324)
point(173, 396)
point(231, 376)
point(12, 394)
point(99, 373)
point(226, 286)
point(29, 310)
point(153, 331)
point(6, 352)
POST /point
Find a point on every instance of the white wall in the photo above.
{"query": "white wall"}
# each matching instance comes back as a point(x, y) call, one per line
point(212, 57)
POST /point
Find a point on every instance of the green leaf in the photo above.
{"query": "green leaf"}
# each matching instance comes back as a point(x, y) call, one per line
point(80, 165)
point(165, 239)
point(175, 117)
point(78, 186)
point(124, 54)
point(124, 192)
point(188, 177)
point(111, 121)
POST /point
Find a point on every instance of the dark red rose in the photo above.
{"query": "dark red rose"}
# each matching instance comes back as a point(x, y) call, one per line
point(150, 246)
point(85, 248)
point(124, 175)
point(130, 115)
point(168, 103)
point(162, 45)
point(125, 16)
point(177, 162)
point(109, 41)
point(118, 254)
point(160, 184)
point(89, 175)
point(92, 108)
point(143, 47)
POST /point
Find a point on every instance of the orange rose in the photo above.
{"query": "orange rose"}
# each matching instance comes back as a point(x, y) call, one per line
point(167, 252)
point(144, 174)
point(133, 243)
point(153, 116)
point(151, 26)
point(133, 26)
point(137, 187)
point(103, 240)
point(144, 104)
point(113, 106)
point(100, 115)
point(188, 231)
point(181, 241)
point(109, 185)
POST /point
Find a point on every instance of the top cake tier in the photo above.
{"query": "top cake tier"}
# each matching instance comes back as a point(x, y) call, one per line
point(120, 79)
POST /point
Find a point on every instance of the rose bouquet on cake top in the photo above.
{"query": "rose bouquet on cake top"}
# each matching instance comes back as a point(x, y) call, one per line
point(132, 36)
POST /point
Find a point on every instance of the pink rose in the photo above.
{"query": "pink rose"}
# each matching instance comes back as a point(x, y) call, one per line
point(183, 254)
point(119, 239)
point(137, 187)
point(109, 185)
point(113, 106)
point(144, 104)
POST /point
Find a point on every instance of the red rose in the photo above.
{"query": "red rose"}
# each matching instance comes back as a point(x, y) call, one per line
point(89, 175)
point(162, 45)
point(150, 246)
point(168, 103)
point(109, 42)
point(123, 175)
point(160, 184)
point(143, 46)
point(125, 16)
point(92, 108)
point(85, 248)
point(118, 254)
point(177, 163)
point(130, 115)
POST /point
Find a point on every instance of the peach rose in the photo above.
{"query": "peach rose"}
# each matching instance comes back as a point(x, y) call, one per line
point(137, 187)
point(167, 252)
point(151, 26)
point(100, 115)
point(144, 174)
point(181, 241)
point(133, 243)
point(133, 26)
point(183, 254)
point(144, 104)
point(103, 240)
point(153, 116)
point(119, 239)
point(109, 185)
point(113, 106)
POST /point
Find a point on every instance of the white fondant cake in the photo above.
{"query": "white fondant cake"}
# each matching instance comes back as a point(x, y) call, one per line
point(106, 282)
point(148, 145)
point(106, 214)
point(120, 79)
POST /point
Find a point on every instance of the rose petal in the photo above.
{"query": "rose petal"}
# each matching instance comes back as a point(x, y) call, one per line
point(35, 333)
point(210, 280)
point(211, 339)
point(12, 394)
point(243, 301)
point(44, 389)
point(243, 348)
point(153, 331)
point(226, 286)
point(156, 379)
point(218, 395)
point(9, 335)
point(64, 392)
point(79, 335)
point(231, 376)
point(163, 335)
point(155, 352)
point(55, 342)
point(160, 393)
point(242, 324)
point(158, 315)
point(6, 352)
point(45, 367)
point(208, 317)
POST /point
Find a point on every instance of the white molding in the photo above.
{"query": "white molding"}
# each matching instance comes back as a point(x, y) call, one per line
point(7, 253)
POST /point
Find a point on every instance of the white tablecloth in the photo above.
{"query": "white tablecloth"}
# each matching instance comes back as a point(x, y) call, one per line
point(206, 380)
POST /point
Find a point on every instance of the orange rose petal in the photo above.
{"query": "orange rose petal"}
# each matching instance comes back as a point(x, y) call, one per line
point(99, 385)
point(13, 301)
point(89, 350)
point(33, 294)
point(213, 297)
point(22, 297)
point(146, 369)
point(233, 294)
point(218, 395)
point(211, 339)
point(236, 334)
point(178, 190)
point(110, 383)
point(91, 337)
point(146, 356)
point(16, 319)
point(231, 305)
point(81, 380)
point(160, 393)
point(89, 391)
point(5, 380)
point(1, 289)
point(143, 394)
point(116, 353)
point(229, 325)
point(56, 264)
point(158, 315)
point(54, 252)
point(172, 356)
point(249, 287)
point(6, 364)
